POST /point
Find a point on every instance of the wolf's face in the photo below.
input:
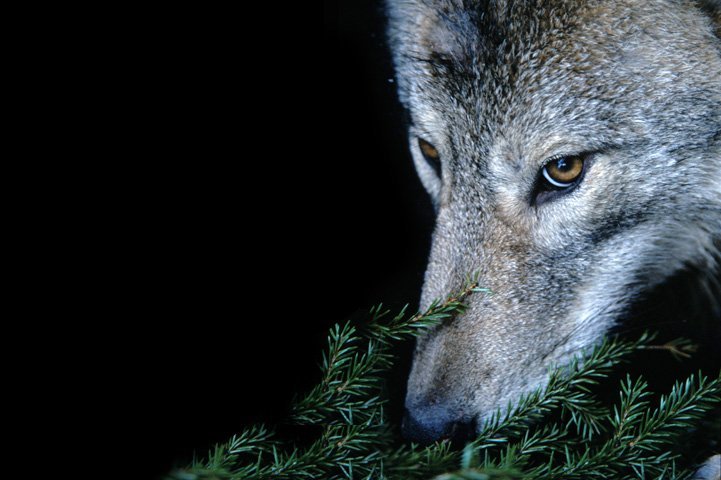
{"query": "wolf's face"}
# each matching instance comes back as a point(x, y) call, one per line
point(573, 153)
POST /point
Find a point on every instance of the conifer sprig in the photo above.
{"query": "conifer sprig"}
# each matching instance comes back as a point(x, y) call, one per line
point(638, 446)
point(561, 431)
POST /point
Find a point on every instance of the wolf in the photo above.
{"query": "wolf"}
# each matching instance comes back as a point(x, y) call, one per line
point(572, 152)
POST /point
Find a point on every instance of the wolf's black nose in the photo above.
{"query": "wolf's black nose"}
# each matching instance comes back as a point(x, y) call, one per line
point(427, 425)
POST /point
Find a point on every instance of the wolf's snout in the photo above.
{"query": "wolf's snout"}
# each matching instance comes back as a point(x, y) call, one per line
point(427, 424)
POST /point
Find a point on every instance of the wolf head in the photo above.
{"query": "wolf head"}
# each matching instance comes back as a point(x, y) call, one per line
point(573, 154)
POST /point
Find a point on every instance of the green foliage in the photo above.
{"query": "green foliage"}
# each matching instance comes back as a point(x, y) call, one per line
point(561, 431)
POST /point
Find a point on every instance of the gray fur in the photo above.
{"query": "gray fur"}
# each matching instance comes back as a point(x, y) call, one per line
point(710, 470)
point(499, 87)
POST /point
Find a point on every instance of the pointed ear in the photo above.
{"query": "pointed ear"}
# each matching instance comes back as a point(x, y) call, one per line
point(420, 31)
point(410, 23)
point(423, 28)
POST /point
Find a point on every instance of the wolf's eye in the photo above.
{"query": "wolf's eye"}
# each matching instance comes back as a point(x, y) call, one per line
point(431, 155)
point(562, 172)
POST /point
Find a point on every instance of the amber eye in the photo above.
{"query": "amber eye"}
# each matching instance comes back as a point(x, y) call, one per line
point(431, 155)
point(563, 171)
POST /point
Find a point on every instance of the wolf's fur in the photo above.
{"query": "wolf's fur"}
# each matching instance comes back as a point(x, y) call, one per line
point(499, 87)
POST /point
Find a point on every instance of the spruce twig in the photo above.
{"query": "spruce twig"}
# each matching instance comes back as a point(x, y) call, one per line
point(585, 440)
point(348, 404)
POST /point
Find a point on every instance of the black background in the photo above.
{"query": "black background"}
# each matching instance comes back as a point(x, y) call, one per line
point(293, 205)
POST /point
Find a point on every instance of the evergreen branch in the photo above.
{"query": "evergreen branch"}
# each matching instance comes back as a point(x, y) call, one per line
point(402, 327)
point(629, 413)
point(567, 388)
point(251, 443)
point(679, 348)
point(586, 440)
point(680, 409)
point(413, 462)
point(351, 371)
point(350, 377)
point(640, 436)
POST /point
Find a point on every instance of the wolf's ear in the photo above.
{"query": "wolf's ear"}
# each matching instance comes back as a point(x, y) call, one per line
point(427, 33)
point(424, 29)
point(422, 32)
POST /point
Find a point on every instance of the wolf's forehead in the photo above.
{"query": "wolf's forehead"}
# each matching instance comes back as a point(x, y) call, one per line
point(493, 32)
point(486, 58)
point(561, 65)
